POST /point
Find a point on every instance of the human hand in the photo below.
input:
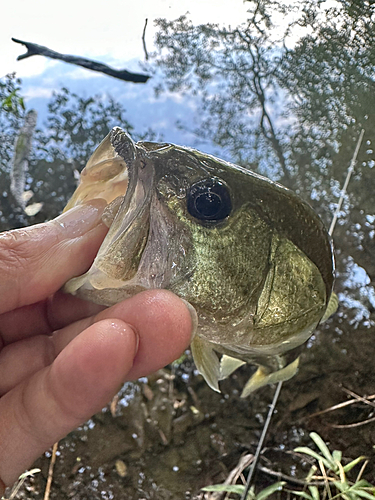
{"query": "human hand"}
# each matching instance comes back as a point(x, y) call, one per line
point(61, 358)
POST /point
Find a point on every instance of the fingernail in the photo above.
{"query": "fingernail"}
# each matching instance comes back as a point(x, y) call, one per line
point(194, 317)
point(136, 342)
point(80, 219)
point(122, 327)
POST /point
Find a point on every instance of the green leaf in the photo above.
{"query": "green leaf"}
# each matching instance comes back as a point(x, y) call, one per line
point(269, 490)
point(348, 496)
point(228, 488)
point(352, 464)
point(314, 454)
point(356, 490)
point(303, 494)
point(7, 102)
point(353, 492)
point(180, 360)
point(239, 489)
point(365, 494)
point(363, 484)
point(323, 448)
point(342, 486)
point(337, 455)
point(314, 492)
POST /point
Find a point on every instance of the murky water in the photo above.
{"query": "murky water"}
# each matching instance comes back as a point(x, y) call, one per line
point(172, 435)
point(166, 437)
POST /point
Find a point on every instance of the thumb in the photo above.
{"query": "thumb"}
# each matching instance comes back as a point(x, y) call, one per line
point(38, 260)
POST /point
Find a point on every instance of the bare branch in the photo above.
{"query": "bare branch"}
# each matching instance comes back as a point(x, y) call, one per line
point(144, 40)
point(35, 49)
point(266, 123)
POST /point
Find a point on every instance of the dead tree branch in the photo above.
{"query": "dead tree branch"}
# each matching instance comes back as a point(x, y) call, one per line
point(33, 49)
point(144, 40)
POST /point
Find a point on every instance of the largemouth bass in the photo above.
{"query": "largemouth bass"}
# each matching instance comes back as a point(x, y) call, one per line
point(249, 255)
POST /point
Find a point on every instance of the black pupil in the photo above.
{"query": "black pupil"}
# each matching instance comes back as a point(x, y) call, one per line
point(209, 200)
point(208, 204)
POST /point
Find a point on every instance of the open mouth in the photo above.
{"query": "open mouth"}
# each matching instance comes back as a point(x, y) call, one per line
point(104, 176)
point(117, 173)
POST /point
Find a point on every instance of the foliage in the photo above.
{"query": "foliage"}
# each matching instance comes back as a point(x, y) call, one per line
point(288, 98)
point(330, 460)
point(11, 101)
point(334, 476)
point(12, 113)
point(73, 128)
point(76, 125)
point(232, 71)
point(239, 489)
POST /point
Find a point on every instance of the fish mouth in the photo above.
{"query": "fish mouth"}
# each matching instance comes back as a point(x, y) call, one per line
point(119, 256)
point(105, 176)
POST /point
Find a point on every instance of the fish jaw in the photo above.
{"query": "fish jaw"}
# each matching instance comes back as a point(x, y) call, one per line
point(146, 247)
point(121, 251)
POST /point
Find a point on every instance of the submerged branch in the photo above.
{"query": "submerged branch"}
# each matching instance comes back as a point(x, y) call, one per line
point(34, 49)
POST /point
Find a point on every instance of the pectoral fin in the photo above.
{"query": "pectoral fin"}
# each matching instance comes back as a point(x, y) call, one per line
point(261, 377)
point(206, 362)
point(228, 365)
point(333, 304)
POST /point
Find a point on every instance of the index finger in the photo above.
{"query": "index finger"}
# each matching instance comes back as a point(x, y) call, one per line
point(35, 262)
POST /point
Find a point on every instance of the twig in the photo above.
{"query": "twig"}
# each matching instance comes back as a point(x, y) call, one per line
point(364, 465)
point(122, 74)
point(289, 479)
point(338, 406)
point(356, 399)
point(343, 191)
point(233, 475)
point(50, 472)
point(144, 39)
point(20, 482)
point(244, 462)
point(261, 441)
point(193, 396)
point(362, 399)
point(326, 478)
point(355, 424)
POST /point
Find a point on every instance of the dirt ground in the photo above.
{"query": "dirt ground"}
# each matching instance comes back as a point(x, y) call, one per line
point(167, 436)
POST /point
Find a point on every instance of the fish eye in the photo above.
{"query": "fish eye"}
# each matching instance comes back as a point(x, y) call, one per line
point(209, 200)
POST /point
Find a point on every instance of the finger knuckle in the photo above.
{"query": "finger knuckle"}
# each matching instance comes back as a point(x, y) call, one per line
point(12, 247)
point(19, 249)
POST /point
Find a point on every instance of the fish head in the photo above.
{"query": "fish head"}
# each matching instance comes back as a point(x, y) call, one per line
point(250, 256)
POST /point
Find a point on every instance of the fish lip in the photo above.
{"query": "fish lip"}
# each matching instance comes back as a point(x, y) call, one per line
point(122, 249)
point(126, 259)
